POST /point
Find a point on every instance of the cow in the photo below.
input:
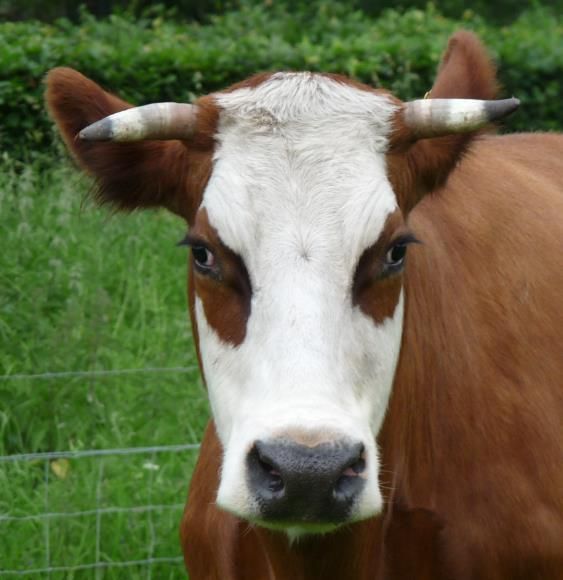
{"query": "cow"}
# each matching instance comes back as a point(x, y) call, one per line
point(375, 415)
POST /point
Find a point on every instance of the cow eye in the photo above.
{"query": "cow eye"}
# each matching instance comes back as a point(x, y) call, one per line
point(396, 255)
point(203, 258)
point(395, 258)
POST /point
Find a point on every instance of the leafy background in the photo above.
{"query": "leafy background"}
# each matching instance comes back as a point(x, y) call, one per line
point(157, 55)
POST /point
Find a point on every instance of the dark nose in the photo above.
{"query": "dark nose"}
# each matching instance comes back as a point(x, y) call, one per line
point(296, 483)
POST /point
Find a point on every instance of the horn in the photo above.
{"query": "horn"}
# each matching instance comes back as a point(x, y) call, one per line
point(156, 121)
point(436, 117)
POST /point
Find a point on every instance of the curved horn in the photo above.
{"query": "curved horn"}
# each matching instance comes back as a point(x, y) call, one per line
point(436, 117)
point(155, 121)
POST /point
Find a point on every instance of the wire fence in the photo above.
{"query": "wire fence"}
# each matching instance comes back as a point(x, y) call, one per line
point(94, 512)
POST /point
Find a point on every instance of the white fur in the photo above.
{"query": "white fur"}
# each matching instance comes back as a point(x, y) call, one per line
point(299, 191)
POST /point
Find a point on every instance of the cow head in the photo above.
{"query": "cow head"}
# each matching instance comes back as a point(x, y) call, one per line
point(296, 188)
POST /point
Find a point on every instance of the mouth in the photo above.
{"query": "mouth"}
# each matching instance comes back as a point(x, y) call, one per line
point(296, 530)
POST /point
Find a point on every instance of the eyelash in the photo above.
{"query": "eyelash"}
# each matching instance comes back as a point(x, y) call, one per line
point(197, 247)
point(202, 256)
point(391, 265)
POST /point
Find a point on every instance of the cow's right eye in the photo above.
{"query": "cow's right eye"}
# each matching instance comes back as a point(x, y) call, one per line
point(203, 258)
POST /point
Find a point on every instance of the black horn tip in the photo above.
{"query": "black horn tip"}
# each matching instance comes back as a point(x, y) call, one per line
point(98, 131)
point(499, 109)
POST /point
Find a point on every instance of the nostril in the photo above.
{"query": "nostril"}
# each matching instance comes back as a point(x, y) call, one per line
point(274, 480)
point(357, 462)
point(349, 481)
point(276, 483)
point(263, 471)
point(357, 467)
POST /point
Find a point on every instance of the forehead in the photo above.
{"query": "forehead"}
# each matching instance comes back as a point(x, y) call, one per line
point(300, 156)
point(303, 97)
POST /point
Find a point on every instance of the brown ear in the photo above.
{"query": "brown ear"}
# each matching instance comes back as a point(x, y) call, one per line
point(466, 70)
point(128, 175)
point(416, 168)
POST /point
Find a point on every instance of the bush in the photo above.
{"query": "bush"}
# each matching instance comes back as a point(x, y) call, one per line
point(500, 11)
point(157, 58)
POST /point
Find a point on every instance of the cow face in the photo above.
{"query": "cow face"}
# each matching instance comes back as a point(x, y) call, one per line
point(295, 187)
point(298, 248)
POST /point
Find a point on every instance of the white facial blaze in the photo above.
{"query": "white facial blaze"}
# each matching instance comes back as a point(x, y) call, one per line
point(299, 191)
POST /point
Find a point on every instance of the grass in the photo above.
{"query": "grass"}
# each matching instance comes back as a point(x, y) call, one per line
point(82, 289)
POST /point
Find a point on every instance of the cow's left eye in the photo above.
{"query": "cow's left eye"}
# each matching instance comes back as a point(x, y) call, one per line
point(396, 256)
point(203, 258)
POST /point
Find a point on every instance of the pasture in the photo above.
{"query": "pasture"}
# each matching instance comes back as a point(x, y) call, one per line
point(82, 289)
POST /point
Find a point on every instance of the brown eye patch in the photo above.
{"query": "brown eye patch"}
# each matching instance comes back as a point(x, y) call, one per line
point(377, 281)
point(220, 281)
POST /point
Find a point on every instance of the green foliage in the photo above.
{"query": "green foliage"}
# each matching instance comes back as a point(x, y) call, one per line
point(70, 301)
point(498, 11)
point(156, 57)
point(81, 290)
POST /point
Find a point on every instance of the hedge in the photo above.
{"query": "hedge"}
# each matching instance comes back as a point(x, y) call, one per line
point(156, 57)
point(500, 11)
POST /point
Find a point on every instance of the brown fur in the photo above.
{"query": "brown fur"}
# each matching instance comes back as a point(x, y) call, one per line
point(226, 297)
point(376, 296)
point(472, 444)
point(474, 428)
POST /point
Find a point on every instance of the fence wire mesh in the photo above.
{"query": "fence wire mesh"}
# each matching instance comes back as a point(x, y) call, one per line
point(94, 513)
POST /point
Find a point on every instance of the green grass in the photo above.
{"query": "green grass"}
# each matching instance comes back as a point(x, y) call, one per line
point(83, 289)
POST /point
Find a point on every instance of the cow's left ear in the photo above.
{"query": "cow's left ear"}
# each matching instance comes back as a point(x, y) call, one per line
point(431, 135)
point(130, 172)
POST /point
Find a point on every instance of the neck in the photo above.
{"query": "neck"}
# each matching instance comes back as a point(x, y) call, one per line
point(347, 553)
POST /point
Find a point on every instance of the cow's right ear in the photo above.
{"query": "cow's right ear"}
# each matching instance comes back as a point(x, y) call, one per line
point(141, 174)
